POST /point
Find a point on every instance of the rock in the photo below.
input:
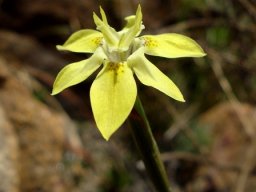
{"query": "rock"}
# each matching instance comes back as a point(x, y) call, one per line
point(228, 150)
point(229, 135)
point(36, 135)
point(8, 156)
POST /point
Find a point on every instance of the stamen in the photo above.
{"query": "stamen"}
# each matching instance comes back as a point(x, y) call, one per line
point(97, 40)
point(150, 43)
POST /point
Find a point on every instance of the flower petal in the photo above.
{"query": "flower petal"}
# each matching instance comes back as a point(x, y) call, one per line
point(172, 45)
point(130, 20)
point(77, 72)
point(112, 94)
point(109, 33)
point(131, 32)
point(82, 41)
point(103, 16)
point(150, 75)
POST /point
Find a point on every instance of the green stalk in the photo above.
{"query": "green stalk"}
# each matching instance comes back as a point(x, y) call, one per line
point(148, 148)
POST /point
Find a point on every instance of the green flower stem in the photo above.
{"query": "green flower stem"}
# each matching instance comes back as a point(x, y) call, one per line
point(148, 148)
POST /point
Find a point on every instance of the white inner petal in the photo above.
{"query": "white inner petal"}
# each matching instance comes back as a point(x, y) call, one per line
point(118, 55)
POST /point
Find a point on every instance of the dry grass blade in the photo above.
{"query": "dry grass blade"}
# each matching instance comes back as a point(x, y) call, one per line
point(248, 127)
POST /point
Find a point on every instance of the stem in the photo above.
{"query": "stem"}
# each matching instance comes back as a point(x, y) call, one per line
point(148, 148)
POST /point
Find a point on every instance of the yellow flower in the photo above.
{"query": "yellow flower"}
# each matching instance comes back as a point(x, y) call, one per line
point(121, 53)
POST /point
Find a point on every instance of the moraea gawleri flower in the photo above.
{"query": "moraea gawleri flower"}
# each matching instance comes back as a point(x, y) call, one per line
point(121, 53)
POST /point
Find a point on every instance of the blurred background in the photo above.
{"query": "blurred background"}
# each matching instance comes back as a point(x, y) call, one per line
point(208, 144)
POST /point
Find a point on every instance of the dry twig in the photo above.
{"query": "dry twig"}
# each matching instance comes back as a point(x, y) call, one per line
point(198, 158)
point(248, 127)
point(250, 7)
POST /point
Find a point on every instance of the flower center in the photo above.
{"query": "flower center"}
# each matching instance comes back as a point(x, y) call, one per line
point(118, 55)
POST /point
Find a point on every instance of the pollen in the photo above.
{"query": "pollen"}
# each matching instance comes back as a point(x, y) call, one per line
point(97, 40)
point(150, 43)
point(116, 67)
